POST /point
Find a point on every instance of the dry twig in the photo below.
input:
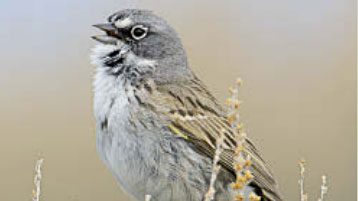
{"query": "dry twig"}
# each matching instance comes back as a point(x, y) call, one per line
point(209, 196)
point(37, 180)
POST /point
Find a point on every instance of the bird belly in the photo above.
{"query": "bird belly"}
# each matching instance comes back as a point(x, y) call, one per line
point(168, 170)
point(147, 159)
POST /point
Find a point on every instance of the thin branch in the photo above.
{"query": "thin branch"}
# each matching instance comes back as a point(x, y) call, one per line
point(324, 188)
point(209, 196)
point(37, 180)
point(301, 181)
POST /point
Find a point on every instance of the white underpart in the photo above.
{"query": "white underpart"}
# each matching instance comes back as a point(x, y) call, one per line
point(123, 23)
point(108, 87)
point(111, 100)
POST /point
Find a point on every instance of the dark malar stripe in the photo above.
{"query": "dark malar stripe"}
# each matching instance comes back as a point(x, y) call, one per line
point(113, 54)
point(114, 62)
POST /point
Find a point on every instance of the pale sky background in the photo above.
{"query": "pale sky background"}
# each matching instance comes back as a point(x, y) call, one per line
point(297, 59)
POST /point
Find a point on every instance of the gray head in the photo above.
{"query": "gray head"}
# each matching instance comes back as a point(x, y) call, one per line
point(139, 40)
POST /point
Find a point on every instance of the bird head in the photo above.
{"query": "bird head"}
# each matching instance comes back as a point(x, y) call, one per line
point(139, 40)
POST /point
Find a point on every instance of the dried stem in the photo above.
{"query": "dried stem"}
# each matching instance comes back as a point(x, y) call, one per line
point(37, 180)
point(242, 161)
point(301, 181)
point(324, 188)
point(209, 196)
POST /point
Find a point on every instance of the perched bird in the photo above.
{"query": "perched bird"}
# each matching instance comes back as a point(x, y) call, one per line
point(156, 122)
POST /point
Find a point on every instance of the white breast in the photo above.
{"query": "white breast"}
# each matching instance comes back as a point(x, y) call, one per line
point(107, 88)
point(112, 107)
point(107, 91)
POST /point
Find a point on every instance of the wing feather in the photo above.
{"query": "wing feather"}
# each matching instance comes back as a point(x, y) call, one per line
point(195, 116)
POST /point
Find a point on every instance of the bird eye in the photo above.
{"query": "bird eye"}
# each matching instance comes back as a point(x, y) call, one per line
point(139, 31)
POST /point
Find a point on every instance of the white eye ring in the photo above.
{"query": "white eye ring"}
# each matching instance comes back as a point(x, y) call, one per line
point(138, 36)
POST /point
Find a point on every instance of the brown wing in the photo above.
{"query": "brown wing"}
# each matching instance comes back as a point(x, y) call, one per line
point(195, 115)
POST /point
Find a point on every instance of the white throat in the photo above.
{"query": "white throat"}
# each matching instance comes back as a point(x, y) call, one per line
point(109, 88)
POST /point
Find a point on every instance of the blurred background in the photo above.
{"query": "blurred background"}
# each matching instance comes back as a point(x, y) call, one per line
point(297, 60)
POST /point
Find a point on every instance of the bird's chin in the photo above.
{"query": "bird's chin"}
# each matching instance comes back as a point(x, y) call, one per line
point(100, 51)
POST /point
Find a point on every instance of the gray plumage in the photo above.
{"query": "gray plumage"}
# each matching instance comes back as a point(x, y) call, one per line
point(156, 122)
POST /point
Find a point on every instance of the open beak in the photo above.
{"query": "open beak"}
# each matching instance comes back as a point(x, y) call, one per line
point(111, 36)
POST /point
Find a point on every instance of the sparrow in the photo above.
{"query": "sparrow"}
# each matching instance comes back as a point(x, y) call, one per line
point(156, 122)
